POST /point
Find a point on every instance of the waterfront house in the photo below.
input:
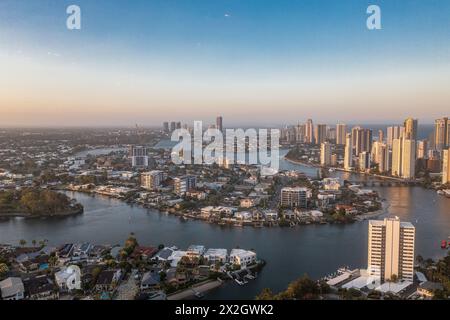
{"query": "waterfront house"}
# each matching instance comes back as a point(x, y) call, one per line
point(428, 288)
point(242, 258)
point(107, 280)
point(40, 288)
point(12, 289)
point(150, 281)
point(145, 253)
point(213, 256)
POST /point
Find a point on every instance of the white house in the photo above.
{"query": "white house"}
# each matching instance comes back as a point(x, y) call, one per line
point(216, 255)
point(242, 257)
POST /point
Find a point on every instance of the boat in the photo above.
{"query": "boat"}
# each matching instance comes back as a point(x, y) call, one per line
point(199, 295)
point(444, 244)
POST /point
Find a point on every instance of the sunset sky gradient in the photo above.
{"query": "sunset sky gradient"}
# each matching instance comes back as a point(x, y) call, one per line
point(252, 61)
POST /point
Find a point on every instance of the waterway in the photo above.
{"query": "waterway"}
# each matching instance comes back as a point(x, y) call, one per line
point(315, 250)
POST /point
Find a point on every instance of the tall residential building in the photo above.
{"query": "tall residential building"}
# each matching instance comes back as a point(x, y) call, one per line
point(139, 157)
point(446, 166)
point(173, 126)
point(364, 161)
point(331, 134)
point(391, 249)
point(348, 156)
point(300, 133)
point(341, 132)
point(219, 123)
point(152, 180)
point(394, 132)
point(309, 134)
point(422, 149)
point(404, 158)
point(320, 133)
point(409, 159)
point(441, 135)
point(184, 184)
point(411, 128)
point(380, 156)
point(380, 135)
point(294, 197)
point(325, 154)
point(397, 156)
point(362, 140)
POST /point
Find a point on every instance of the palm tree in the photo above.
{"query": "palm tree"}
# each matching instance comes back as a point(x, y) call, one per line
point(34, 243)
point(23, 242)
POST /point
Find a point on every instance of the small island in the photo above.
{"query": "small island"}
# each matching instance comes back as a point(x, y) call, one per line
point(36, 203)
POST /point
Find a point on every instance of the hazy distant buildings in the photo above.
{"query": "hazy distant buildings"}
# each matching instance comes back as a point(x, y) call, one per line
point(139, 156)
point(219, 123)
point(341, 132)
point(391, 249)
point(361, 140)
point(166, 128)
point(446, 166)
point(173, 126)
point(348, 156)
point(325, 154)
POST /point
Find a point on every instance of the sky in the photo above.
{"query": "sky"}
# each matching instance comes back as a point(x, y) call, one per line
point(251, 61)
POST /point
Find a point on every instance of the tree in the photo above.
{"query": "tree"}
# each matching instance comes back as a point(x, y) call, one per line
point(23, 242)
point(3, 269)
point(266, 294)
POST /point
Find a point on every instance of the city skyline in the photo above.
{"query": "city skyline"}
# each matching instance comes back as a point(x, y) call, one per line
point(250, 64)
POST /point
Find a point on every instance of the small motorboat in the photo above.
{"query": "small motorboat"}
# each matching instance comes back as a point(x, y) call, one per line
point(444, 244)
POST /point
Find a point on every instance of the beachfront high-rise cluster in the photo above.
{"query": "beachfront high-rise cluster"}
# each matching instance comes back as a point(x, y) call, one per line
point(397, 151)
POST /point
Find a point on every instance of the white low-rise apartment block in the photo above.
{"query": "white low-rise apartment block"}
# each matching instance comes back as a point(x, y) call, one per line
point(242, 257)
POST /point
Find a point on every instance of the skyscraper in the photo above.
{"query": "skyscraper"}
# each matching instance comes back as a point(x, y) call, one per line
point(397, 156)
point(325, 154)
point(309, 135)
point(394, 132)
point(441, 135)
point(362, 140)
point(219, 123)
point(380, 135)
point(422, 149)
point(409, 159)
point(404, 158)
point(364, 161)
point(300, 133)
point(320, 133)
point(391, 249)
point(446, 166)
point(381, 156)
point(341, 132)
point(411, 128)
point(173, 126)
point(348, 156)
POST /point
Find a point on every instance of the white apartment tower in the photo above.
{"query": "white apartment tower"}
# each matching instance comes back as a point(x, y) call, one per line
point(391, 249)
point(348, 156)
point(325, 154)
point(341, 132)
point(446, 166)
